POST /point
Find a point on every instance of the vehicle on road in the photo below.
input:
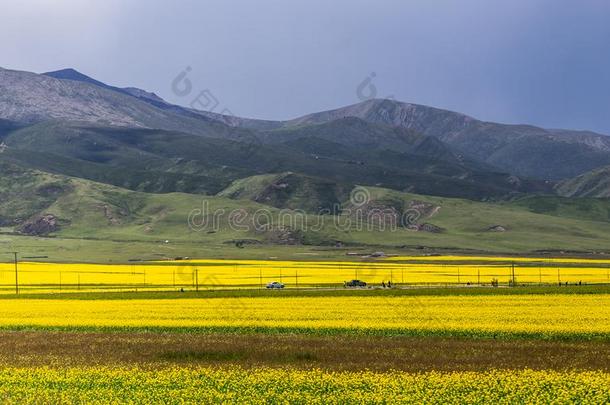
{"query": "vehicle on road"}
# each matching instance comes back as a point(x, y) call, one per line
point(355, 283)
point(275, 285)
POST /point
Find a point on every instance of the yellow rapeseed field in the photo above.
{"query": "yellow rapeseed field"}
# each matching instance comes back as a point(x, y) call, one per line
point(102, 385)
point(537, 315)
point(506, 259)
point(257, 273)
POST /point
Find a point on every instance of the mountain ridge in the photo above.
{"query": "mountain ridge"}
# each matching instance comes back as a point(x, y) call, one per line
point(146, 156)
point(522, 149)
point(378, 139)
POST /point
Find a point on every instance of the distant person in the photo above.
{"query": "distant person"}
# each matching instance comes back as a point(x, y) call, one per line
point(383, 284)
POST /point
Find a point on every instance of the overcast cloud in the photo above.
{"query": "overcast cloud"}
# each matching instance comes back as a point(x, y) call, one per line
point(545, 62)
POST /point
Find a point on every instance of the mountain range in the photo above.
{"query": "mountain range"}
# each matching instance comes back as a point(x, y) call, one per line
point(65, 124)
point(83, 123)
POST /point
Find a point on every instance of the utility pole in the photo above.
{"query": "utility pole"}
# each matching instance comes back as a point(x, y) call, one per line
point(16, 274)
point(513, 274)
point(196, 279)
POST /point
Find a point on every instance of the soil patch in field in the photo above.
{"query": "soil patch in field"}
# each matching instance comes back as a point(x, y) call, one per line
point(328, 352)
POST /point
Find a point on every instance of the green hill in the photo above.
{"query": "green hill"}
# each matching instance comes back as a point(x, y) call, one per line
point(24, 193)
point(593, 209)
point(291, 191)
point(595, 183)
point(74, 219)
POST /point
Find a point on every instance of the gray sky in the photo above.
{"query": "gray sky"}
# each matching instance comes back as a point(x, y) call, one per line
point(545, 62)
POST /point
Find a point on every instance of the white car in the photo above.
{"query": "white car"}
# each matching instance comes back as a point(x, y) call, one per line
point(274, 285)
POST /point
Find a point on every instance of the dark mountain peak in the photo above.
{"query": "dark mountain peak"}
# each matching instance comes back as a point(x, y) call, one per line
point(393, 113)
point(142, 95)
point(68, 73)
point(73, 74)
point(72, 96)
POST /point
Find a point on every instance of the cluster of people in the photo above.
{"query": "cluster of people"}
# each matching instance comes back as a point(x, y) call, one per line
point(384, 285)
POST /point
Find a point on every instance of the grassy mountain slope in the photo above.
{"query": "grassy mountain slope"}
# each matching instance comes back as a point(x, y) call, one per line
point(153, 218)
point(595, 183)
point(24, 193)
point(358, 134)
point(126, 224)
point(165, 161)
point(524, 150)
point(291, 191)
point(6, 127)
point(593, 209)
point(353, 139)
